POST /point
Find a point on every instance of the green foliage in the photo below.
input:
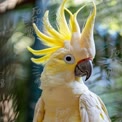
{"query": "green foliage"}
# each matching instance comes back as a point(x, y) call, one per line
point(15, 66)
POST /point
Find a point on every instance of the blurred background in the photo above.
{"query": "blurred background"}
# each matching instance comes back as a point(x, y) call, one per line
point(20, 78)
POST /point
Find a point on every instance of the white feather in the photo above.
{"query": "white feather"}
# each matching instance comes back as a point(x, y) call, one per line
point(91, 109)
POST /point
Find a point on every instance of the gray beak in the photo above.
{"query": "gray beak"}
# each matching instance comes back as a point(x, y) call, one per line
point(84, 68)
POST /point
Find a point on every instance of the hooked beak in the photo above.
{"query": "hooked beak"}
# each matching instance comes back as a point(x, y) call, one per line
point(84, 68)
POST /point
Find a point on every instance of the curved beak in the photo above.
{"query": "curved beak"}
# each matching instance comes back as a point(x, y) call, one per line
point(84, 68)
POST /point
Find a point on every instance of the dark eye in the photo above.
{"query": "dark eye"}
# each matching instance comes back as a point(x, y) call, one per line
point(69, 59)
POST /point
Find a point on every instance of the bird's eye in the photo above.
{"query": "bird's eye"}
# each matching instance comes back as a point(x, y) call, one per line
point(69, 59)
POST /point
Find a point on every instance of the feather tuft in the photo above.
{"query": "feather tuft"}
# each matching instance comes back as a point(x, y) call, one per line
point(56, 39)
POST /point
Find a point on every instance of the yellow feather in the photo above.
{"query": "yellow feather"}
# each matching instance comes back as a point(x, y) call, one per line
point(73, 20)
point(56, 39)
point(90, 22)
point(41, 60)
point(61, 21)
point(44, 51)
point(87, 39)
point(70, 22)
point(49, 41)
point(49, 29)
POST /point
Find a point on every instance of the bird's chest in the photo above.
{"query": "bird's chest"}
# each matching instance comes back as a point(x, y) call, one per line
point(61, 105)
point(60, 96)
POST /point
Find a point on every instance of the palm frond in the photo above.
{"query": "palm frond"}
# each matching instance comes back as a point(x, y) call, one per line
point(8, 108)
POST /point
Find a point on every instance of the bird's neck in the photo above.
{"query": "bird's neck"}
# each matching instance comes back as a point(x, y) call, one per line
point(48, 80)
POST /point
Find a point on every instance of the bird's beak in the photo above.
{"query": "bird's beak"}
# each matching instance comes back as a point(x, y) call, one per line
point(84, 68)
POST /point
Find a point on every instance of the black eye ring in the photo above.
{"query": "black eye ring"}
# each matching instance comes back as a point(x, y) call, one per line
point(69, 59)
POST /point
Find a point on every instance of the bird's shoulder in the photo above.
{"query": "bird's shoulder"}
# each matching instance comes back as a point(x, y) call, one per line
point(93, 105)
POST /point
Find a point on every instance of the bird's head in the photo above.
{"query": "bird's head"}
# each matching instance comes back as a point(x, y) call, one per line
point(70, 51)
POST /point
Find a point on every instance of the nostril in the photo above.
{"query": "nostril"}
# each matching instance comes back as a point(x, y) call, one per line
point(83, 60)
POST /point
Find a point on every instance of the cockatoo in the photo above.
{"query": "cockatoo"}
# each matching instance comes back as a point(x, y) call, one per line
point(65, 97)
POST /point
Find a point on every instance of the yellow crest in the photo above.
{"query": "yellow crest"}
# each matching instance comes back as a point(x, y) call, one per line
point(55, 39)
